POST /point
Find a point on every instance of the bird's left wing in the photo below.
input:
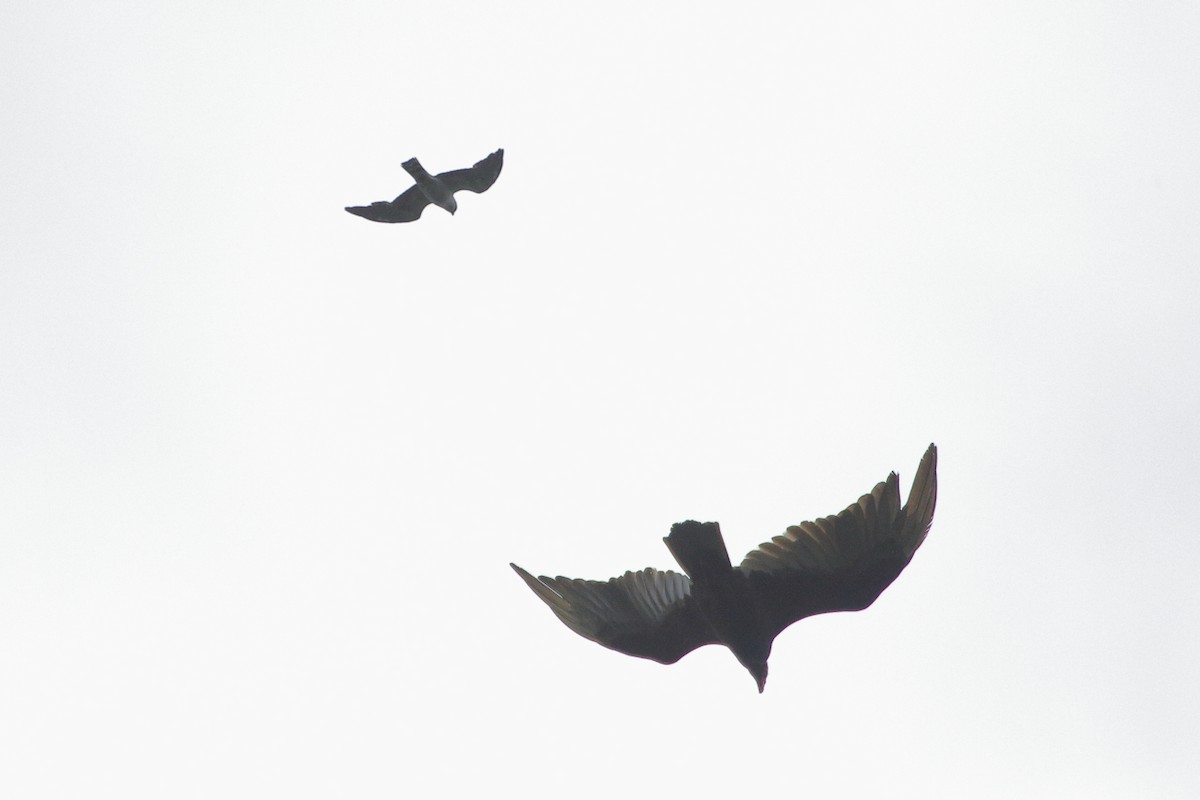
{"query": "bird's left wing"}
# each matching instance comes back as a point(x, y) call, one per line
point(405, 208)
point(478, 178)
point(648, 614)
point(844, 562)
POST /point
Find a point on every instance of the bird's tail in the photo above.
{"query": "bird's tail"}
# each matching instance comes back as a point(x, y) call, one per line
point(922, 497)
point(414, 168)
point(699, 548)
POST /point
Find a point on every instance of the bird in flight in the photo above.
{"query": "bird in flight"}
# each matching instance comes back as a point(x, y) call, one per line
point(436, 189)
point(838, 563)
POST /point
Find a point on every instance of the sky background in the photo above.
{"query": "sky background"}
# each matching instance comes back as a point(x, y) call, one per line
point(263, 464)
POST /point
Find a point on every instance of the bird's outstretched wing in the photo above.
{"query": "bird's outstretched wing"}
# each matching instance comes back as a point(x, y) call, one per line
point(649, 614)
point(405, 208)
point(844, 562)
point(478, 178)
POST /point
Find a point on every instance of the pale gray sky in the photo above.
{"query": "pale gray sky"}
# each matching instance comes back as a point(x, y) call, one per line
point(263, 464)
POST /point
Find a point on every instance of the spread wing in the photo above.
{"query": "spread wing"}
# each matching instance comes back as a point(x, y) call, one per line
point(478, 178)
point(648, 614)
point(405, 208)
point(844, 562)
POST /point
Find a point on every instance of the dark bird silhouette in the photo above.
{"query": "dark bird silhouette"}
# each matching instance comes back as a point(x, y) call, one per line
point(436, 189)
point(839, 563)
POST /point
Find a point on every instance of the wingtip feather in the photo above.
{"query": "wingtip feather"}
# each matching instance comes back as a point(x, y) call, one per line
point(922, 499)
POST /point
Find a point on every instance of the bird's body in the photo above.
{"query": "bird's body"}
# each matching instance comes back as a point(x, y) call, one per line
point(838, 563)
point(436, 189)
point(723, 595)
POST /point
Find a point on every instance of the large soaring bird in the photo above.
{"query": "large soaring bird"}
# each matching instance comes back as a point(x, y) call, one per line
point(436, 189)
point(839, 563)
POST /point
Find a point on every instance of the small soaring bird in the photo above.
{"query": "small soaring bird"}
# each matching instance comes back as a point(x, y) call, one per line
point(436, 189)
point(839, 563)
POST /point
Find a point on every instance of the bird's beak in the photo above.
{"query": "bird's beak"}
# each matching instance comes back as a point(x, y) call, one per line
point(760, 677)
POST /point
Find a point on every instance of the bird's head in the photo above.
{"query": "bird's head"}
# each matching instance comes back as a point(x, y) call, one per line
point(759, 671)
point(753, 654)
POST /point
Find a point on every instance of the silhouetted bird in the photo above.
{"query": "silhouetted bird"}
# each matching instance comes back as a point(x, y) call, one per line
point(839, 563)
point(436, 189)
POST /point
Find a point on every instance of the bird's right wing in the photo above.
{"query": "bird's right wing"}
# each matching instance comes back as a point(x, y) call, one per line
point(844, 562)
point(405, 208)
point(478, 178)
point(648, 614)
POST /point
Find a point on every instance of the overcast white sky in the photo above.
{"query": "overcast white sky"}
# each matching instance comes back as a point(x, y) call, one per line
point(263, 464)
